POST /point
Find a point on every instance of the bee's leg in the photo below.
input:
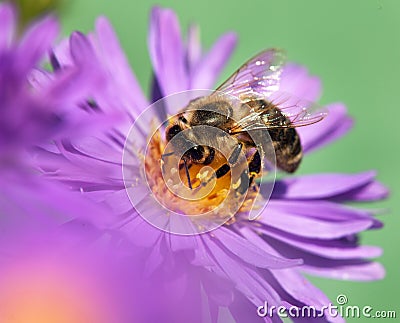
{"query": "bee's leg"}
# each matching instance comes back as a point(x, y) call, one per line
point(247, 177)
point(254, 167)
point(235, 154)
point(182, 165)
point(225, 168)
point(243, 182)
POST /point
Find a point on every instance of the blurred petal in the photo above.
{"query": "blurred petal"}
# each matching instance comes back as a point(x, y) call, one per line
point(209, 68)
point(44, 203)
point(193, 46)
point(81, 51)
point(37, 41)
point(115, 60)
point(63, 53)
point(241, 308)
point(139, 231)
point(336, 124)
point(7, 25)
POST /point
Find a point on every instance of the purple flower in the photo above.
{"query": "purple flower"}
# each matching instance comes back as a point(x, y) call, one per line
point(34, 105)
point(305, 228)
point(31, 206)
point(59, 262)
point(20, 108)
point(36, 111)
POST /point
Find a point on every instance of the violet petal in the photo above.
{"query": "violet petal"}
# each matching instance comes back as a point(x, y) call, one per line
point(209, 68)
point(250, 253)
point(296, 81)
point(324, 248)
point(36, 42)
point(336, 124)
point(167, 51)
point(118, 66)
point(193, 47)
point(7, 25)
point(360, 272)
point(320, 186)
point(290, 221)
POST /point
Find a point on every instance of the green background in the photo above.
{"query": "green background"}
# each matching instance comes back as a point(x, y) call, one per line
point(354, 46)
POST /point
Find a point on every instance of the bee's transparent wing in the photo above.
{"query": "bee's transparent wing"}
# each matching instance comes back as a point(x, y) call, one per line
point(299, 112)
point(259, 77)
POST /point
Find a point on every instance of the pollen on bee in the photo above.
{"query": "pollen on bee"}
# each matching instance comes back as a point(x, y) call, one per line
point(202, 175)
point(237, 184)
point(205, 175)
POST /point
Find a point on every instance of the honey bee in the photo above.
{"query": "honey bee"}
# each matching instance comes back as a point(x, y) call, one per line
point(261, 107)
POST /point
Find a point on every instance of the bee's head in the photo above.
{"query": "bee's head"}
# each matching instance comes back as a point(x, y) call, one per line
point(195, 153)
point(186, 143)
point(200, 154)
point(172, 131)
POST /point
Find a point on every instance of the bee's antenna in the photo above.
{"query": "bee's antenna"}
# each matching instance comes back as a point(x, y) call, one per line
point(187, 173)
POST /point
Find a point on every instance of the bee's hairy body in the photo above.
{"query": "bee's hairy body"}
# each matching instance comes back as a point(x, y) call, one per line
point(219, 112)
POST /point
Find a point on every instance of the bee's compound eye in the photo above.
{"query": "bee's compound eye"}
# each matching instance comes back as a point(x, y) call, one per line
point(172, 132)
point(195, 153)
